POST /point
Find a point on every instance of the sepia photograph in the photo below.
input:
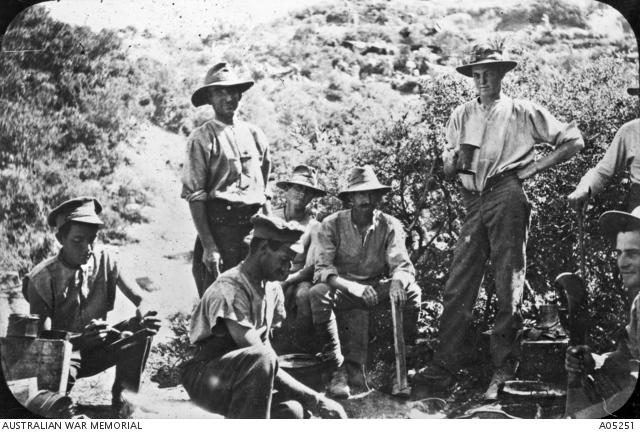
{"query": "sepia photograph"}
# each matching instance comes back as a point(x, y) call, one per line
point(319, 209)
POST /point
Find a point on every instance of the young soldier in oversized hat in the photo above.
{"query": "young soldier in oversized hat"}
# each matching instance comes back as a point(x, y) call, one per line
point(624, 152)
point(74, 290)
point(361, 262)
point(224, 178)
point(234, 370)
point(300, 189)
point(503, 132)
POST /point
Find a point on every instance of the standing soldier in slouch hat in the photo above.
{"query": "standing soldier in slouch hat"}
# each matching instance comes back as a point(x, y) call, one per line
point(73, 292)
point(624, 152)
point(503, 132)
point(224, 177)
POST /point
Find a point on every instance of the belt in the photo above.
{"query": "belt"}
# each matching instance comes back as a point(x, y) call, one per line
point(493, 181)
point(222, 213)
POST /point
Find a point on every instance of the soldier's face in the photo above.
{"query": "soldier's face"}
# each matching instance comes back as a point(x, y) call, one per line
point(277, 264)
point(488, 79)
point(628, 253)
point(365, 202)
point(224, 100)
point(77, 246)
point(299, 196)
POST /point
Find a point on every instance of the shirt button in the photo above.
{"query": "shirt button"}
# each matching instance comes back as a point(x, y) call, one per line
point(228, 207)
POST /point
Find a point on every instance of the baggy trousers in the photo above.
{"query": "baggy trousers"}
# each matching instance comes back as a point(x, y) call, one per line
point(325, 299)
point(129, 359)
point(495, 228)
point(238, 384)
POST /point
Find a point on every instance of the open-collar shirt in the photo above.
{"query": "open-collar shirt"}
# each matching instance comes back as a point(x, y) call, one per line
point(379, 253)
point(229, 162)
point(234, 297)
point(506, 133)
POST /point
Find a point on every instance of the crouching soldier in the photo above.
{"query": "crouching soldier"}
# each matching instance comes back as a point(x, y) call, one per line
point(234, 370)
point(361, 262)
point(609, 380)
point(73, 292)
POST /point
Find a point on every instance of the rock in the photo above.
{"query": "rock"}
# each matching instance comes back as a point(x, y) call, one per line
point(147, 284)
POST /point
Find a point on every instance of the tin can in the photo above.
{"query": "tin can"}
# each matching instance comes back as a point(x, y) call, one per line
point(23, 325)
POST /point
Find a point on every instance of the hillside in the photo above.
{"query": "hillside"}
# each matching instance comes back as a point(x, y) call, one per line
point(338, 84)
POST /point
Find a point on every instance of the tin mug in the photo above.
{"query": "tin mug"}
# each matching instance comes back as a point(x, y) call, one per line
point(466, 157)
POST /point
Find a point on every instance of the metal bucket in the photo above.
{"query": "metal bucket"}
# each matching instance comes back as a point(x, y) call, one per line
point(50, 404)
point(303, 367)
point(23, 325)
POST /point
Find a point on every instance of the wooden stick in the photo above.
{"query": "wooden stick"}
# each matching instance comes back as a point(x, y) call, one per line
point(401, 387)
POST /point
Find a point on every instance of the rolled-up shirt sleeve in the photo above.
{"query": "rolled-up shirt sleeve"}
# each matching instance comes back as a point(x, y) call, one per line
point(451, 147)
point(615, 159)
point(397, 258)
point(547, 129)
point(194, 171)
point(325, 251)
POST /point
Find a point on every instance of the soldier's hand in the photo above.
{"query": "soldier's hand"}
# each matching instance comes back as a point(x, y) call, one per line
point(579, 199)
point(370, 296)
point(329, 409)
point(397, 293)
point(151, 322)
point(94, 333)
point(579, 360)
point(211, 259)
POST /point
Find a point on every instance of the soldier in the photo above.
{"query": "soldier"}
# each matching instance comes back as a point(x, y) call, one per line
point(73, 292)
point(360, 262)
point(300, 189)
point(620, 155)
point(611, 377)
point(224, 176)
point(503, 132)
point(234, 370)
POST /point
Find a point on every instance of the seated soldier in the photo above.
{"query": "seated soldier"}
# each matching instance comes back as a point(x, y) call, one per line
point(611, 378)
point(73, 292)
point(300, 189)
point(234, 370)
point(360, 262)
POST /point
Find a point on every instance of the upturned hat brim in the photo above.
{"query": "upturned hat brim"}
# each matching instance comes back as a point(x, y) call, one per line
point(200, 98)
point(466, 69)
point(317, 192)
point(383, 188)
point(613, 222)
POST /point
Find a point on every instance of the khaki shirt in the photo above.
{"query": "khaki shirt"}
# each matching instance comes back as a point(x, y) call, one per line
point(229, 162)
point(623, 152)
point(74, 296)
point(505, 133)
point(311, 226)
point(234, 297)
point(381, 253)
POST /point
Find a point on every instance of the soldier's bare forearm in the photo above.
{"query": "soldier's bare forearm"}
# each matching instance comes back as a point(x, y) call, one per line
point(201, 221)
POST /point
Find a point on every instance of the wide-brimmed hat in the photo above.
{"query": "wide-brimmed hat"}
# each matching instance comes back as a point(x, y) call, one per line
point(614, 222)
point(635, 91)
point(484, 54)
point(220, 75)
point(363, 179)
point(285, 232)
point(305, 176)
point(80, 209)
